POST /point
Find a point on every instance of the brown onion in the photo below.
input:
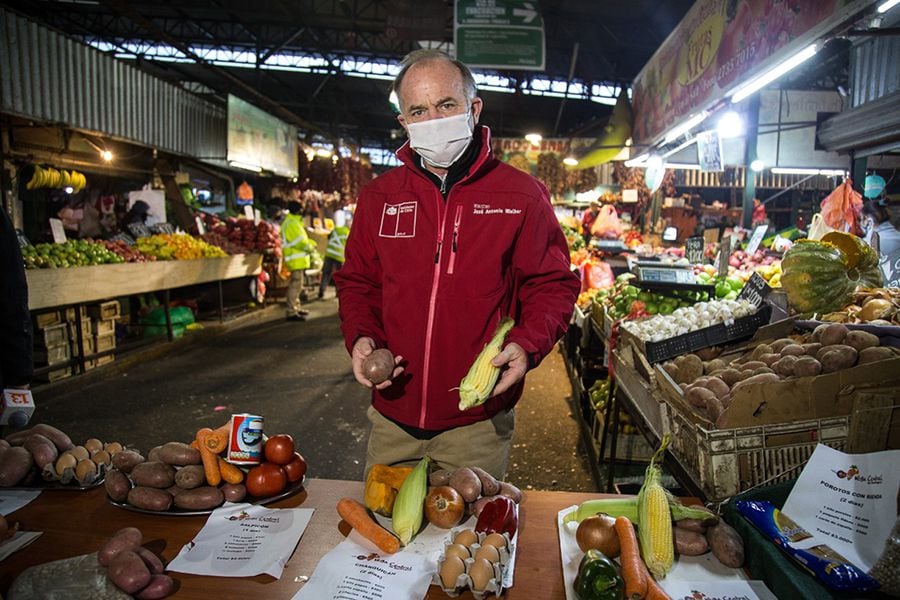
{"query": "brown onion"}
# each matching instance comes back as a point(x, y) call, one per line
point(598, 533)
point(444, 507)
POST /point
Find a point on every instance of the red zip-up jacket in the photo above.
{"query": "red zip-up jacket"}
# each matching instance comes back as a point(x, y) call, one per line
point(430, 280)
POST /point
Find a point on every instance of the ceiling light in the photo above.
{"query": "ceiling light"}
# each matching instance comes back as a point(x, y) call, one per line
point(685, 126)
point(323, 152)
point(886, 6)
point(731, 125)
point(757, 165)
point(749, 88)
point(106, 155)
point(809, 171)
point(684, 166)
point(534, 139)
point(570, 161)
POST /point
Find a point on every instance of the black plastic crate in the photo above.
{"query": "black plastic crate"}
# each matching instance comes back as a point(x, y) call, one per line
point(714, 335)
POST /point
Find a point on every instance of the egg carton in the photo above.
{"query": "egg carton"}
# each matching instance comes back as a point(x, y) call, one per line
point(69, 476)
point(482, 580)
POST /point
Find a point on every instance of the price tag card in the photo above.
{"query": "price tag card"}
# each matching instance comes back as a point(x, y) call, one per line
point(756, 239)
point(123, 237)
point(248, 211)
point(201, 226)
point(693, 249)
point(58, 231)
point(139, 230)
point(755, 290)
point(23, 241)
point(724, 254)
point(162, 228)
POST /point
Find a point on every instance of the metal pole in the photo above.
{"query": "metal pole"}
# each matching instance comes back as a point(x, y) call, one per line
point(752, 117)
point(562, 102)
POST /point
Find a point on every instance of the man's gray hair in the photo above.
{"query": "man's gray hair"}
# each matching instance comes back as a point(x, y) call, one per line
point(429, 55)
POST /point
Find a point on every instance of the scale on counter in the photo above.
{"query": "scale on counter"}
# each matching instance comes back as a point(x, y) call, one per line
point(657, 272)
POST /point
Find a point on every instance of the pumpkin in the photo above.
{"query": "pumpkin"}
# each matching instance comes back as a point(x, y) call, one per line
point(382, 486)
point(821, 276)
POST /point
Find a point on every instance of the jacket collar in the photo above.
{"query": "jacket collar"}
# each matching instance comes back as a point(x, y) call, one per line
point(485, 157)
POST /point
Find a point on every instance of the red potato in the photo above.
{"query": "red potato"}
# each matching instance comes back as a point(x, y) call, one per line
point(15, 463)
point(153, 562)
point(127, 538)
point(510, 491)
point(42, 449)
point(160, 586)
point(129, 572)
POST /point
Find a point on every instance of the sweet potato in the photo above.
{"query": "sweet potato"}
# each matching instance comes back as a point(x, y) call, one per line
point(777, 345)
point(756, 379)
point(510, 491)
point(62, 441)
point(875, 354)
point(761, 350)
point(715, 408)
point(234, 492)
point(816, 335)
point(489, 485)
point(15, 463)
point(153, 562)
point(730, 376)
point(190, 477)
point(160, 586)
point(689, 543)
point(792, 350)
point(201, 498)
point(860, 340)
point(834, 333)
point(126, 460)
point(128, 572)
point(718, 387)
point(690, 368)
point(726, 544)
point(697, 525)
point(127, 538)
point(466, 482)
point(811, 349)
point(807, 366)
point(752, 365)
point(699, 396)
point(150, 499)
point(42, 450)
point(761, 370)
point(439, 477)
point(117, 485)
point(153, 474)
point(836, 358)
point(770, 358)
point(715, 364)
point(179, 454)
point(785, 365)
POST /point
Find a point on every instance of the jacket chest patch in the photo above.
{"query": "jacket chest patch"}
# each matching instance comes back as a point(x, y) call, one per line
point(487, 209)
point(398, 220)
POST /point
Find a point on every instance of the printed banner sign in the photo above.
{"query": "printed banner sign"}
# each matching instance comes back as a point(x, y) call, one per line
point(499, 34)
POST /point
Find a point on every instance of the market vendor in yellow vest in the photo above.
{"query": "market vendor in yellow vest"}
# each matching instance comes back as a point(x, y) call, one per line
point(297, 249)
point(334, 250)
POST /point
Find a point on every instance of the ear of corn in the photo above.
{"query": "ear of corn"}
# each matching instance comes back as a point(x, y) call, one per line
point(409, 506)
point(479, 382)
point(655, 519)
point(627, 507)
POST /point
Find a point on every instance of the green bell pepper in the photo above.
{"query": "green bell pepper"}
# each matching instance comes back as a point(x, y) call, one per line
point(598, 578)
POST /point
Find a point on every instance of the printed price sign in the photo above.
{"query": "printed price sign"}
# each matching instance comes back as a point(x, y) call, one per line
point(23, 241)
point(724, 255)
point(890, 269)
point(163, 228)
point(755, 290)
point(248, 211)
point(693, 249)
point(756, 239)
point(201, 226)
point(139, 230)
point(58, 231)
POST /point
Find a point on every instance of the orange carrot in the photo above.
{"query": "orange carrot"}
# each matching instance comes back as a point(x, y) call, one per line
point(230, 473)
point(216, 441)
point(210, 464)
point(633, 568)
point(195, 444)
point(358, 518)
point(654, 592)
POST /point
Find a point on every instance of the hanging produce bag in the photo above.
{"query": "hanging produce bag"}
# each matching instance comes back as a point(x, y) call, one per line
point(606, 225)
point(842, 208)
point(596, 275)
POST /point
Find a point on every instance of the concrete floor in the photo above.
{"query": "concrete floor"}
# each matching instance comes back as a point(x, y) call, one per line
point(297, 375)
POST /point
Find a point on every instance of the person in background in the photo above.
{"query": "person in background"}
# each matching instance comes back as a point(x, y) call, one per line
point(137, 213)
point(16, 334)
point(587, 220)
point(295, 246)
point(884, 235)
point(334, 251)
point(759, 216)
point(441, 249)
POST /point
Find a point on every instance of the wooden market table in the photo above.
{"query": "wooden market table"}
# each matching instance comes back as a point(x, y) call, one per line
point(75, 523)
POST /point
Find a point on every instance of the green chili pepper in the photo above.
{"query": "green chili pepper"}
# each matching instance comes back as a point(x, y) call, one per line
point(598, 578)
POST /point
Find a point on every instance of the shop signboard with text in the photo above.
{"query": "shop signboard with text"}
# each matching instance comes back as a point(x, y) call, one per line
point(499, 34)
point(720, 45)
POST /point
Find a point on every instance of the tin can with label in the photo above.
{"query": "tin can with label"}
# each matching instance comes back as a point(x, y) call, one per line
point(245, 443)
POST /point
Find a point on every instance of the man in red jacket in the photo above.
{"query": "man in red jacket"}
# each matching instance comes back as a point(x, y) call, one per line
point(441, 249)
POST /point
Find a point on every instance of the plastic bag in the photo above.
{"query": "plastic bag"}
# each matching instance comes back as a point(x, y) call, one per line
point(818, 228)
point(607, 225)
point(842, 208)
point(887, 569)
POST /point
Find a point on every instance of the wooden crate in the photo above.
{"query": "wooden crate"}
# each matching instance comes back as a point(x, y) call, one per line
point(51, 336)
point(103, 326)
point(70, 313)
point(46, 319)
point(85, 330)
point(54, 375)
point(104, 342)
point(52, 355)
point(104, 310)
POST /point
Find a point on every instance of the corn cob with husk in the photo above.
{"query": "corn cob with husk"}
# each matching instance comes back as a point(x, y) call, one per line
point(655, 519)
point(409, 506)
point(627, 507)
point(479, 382)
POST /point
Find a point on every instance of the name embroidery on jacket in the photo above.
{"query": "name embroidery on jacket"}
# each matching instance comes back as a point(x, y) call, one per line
point(486, 209)
point(399, 220)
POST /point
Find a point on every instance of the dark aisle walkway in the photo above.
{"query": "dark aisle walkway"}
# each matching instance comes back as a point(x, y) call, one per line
point(297, 375)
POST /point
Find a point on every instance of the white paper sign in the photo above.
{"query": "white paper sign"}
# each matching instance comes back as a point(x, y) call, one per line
point(756, 239)
point(847, 501)
point(712, 589)
point(201, 226)
point(58, 231)
point(242, 540)
point(248, 211)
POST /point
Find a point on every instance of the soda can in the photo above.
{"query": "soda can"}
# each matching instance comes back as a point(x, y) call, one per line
point(245, 443)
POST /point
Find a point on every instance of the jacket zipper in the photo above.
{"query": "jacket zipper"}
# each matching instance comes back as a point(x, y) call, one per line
point(456, 219)
point(432, 301)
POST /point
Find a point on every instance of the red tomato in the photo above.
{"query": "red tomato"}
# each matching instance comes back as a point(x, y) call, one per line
point(279, 449)
point(266, 479)
point(296, 469)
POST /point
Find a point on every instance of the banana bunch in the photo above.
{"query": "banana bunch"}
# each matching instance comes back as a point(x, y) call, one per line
point(48, 177)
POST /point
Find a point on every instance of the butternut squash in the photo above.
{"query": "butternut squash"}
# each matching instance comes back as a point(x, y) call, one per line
point(382, 486)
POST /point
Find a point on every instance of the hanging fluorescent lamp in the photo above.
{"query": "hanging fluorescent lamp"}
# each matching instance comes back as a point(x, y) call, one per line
point(774, 73)
point(245, 166)
point(684, 166)
point(805, 171)
point(679, 130)
point(886, 6)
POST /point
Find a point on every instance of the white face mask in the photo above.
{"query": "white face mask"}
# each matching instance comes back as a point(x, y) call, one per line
point(442, 141)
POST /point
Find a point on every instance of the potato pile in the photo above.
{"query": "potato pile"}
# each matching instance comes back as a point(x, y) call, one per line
point(708, 386)
point(476, 486)
point(43, 453)
point(133, 568)
point(172, 475)
point(694, 537)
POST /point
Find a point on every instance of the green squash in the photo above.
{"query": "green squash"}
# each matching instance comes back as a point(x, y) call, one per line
point(821, 276)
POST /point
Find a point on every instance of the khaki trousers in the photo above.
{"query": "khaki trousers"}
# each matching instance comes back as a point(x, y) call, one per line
point(485, 444)
point(292, 296)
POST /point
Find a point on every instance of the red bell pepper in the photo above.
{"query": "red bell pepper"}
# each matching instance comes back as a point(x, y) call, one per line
point(498, 516)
